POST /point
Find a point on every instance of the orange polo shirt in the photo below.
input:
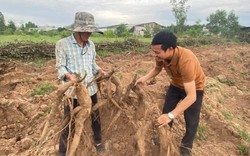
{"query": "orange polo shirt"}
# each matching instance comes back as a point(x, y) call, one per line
point(184, 67)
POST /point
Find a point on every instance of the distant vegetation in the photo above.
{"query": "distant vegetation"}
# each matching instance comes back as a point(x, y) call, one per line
point(221, 27)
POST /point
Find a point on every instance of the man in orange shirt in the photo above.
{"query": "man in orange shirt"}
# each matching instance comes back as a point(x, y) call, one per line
point(186, 87)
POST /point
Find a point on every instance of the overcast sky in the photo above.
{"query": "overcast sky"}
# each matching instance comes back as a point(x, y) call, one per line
point(112, 12)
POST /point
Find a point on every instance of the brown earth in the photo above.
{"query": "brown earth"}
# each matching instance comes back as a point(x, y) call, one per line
point(225, 118)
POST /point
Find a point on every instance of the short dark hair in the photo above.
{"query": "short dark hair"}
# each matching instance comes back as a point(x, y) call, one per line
point(166, 39)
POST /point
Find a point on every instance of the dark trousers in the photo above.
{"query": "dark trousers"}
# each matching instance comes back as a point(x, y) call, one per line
point(191, 114)
point(96, 126)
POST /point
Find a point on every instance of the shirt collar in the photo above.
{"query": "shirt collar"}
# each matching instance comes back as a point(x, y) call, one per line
point(73, 40)
point(175, 58)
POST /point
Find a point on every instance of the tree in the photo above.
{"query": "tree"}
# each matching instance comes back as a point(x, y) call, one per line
point(122, 31)
point(10, 28)
point(2, 23)
point(219, 23)
point(180, 12)
point(109, 33)
point(148, 32)
point(30, 25)
point(233, 26)
point(195, 30)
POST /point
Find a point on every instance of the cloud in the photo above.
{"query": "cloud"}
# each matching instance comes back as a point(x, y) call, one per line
point(111, 12)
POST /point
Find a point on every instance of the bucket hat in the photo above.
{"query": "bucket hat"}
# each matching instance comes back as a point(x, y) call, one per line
point(84, 22)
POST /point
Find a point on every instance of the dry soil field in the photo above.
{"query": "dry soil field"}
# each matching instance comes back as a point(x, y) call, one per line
point(225, 118)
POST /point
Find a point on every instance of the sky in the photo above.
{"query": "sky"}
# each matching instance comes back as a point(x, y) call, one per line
point(112, 12)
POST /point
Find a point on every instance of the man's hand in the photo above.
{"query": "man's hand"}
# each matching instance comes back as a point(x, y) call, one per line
point(141, 81)
point(102, 73)
point(163, 120)
point(70, 76)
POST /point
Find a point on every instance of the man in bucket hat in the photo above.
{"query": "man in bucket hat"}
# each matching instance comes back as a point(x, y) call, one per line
point(76, 54)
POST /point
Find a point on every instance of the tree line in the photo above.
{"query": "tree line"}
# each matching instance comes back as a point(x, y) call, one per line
point(219, 23)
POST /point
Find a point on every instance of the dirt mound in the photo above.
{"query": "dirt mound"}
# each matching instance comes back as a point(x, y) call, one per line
point(223, 130)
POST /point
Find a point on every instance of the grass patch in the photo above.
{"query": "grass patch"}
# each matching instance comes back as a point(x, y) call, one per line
point(206, 106)
point(39, 62)
point(49, 109)
point(5, 39)
point(26, 79)
point(227, 115)
point(212, 86)
point(44, 88)
point(201, 132)
point(119, 75)
point(244, 135)
point(104, 53)
point(223, 79)
point(142, 72)
point(220, 99)
point(242, 149)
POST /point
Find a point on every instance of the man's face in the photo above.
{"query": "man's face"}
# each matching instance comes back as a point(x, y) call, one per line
point(159, 53)
point(85, 35)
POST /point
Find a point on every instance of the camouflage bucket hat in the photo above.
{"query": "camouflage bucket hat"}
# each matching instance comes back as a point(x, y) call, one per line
point(84, 22)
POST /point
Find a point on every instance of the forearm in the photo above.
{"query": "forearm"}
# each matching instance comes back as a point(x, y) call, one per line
point(152, 73)
point(188, 100)
point(183, 105)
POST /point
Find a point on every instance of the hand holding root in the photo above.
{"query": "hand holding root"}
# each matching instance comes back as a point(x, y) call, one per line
point(163, 120)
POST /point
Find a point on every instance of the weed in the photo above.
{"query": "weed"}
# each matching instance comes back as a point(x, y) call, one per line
point(219, 99)
point(26, 79)
point(212, 86)
point(245, 135)
point(49, 108)
point(44, 88)
point(142, 72)
point(223, 79)
point(104, 53)
point(242, 149)
point(39, 62)
point(227, 115)
point(119, 75)
point(206, 106)
point(201, 132)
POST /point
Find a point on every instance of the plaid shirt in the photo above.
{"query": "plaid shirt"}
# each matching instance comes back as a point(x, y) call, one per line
point(72, 58)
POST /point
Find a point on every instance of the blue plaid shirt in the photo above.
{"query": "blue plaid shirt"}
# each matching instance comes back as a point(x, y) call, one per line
point(72, 58)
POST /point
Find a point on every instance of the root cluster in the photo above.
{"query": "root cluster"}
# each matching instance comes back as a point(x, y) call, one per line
point(132, 101)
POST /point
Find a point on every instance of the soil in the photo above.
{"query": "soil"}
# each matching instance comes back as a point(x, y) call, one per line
point(225, 118)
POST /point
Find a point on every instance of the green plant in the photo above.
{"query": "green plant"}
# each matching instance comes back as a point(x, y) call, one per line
point(242, 149)
point(227, 115)
point(39, 62)
point(44, 88)
point(245, 135)
point(212, 86)
point(142, 72)
point(201, 132)
point(206, 106)
point(49, 108)
point(104, 53)
point(219, 99)
point(26, 79)
point(119, 75)
point(224, 80)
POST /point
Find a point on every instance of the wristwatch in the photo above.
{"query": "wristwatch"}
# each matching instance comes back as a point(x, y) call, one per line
point(171, 116)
